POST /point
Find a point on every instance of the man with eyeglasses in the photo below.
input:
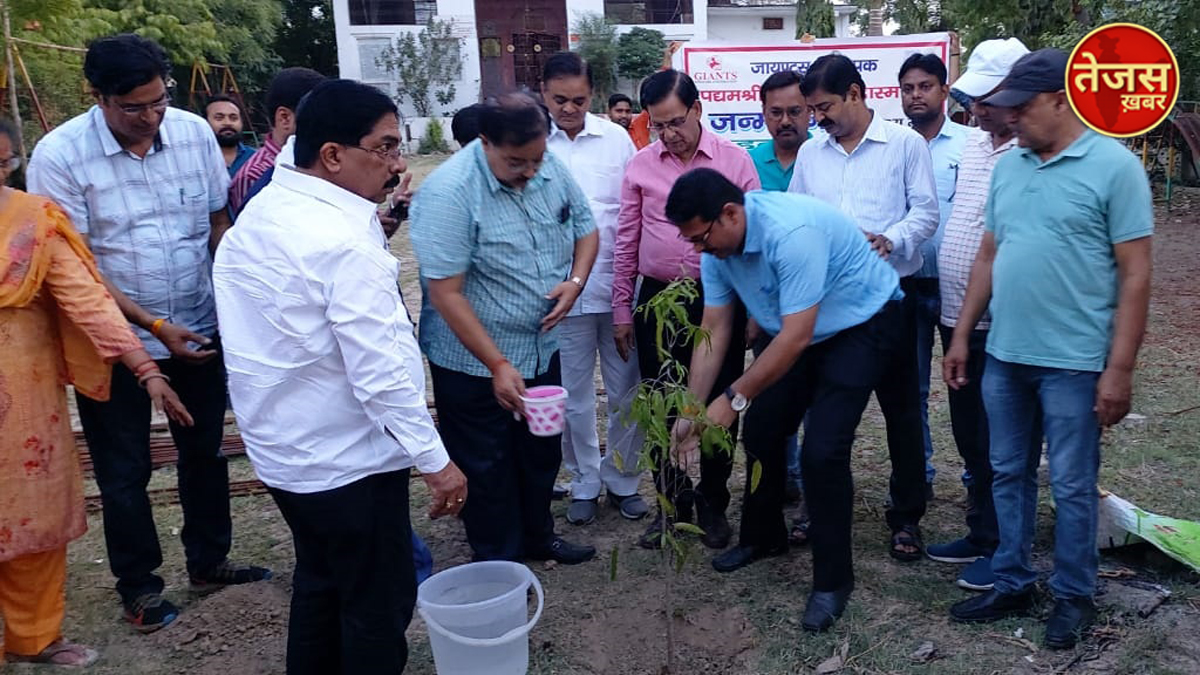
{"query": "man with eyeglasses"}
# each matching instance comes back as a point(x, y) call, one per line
point(506, 241)
point(146, 185)
point(879, 173)
point(648, 248)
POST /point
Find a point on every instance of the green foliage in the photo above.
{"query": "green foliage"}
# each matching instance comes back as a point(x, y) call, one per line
point(307, 37)
point(248, 29)
point(185, 28)
point(814, 17)
point(434, 139)
point(426, 66)
point(598, 46)
point(640, 53)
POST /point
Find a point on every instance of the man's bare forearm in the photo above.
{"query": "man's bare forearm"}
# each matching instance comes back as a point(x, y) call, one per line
point(1134, 270)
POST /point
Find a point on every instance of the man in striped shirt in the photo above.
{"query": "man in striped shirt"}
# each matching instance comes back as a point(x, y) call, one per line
point(283, 97)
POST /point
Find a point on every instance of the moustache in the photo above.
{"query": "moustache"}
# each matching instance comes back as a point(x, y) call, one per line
point(787, 130)
point(228, 130)
point(392, 182)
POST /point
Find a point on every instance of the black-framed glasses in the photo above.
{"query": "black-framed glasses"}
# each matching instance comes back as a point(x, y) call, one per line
point(387, 151)
point(701, 238)
point(674, 125)
point(139, 108)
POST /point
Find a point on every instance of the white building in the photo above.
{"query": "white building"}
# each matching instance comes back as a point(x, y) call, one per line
point(505, 42)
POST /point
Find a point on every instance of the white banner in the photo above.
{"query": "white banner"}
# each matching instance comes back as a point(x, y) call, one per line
point(730, 77)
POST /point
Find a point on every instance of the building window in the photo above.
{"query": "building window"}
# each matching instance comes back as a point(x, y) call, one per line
point(772, 23)
point(648, 11)
point(391, 12)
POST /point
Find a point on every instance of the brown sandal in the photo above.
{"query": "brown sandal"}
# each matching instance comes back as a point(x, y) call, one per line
point(60, 653)
point(908, 536)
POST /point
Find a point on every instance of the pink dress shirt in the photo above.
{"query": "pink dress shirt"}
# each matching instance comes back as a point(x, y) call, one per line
point(647, 243)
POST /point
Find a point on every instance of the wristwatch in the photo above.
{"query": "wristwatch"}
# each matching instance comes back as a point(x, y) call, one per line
point(738, 402)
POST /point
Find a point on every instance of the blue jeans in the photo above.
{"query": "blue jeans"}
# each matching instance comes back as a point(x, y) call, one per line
point(929, 311)
point(1022, 402)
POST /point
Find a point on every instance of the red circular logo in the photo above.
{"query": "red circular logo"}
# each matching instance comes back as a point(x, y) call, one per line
point(1122, 79)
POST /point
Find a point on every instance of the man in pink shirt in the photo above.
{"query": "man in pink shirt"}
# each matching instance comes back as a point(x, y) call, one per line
point(648, 245)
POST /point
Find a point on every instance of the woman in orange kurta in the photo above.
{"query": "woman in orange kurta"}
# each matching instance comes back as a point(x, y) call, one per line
point(58, 326)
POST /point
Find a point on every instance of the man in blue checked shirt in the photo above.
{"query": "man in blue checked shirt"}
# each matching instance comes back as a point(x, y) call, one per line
point(505, 240)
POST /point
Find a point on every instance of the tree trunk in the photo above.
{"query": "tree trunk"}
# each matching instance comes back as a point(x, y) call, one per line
point(875, 21)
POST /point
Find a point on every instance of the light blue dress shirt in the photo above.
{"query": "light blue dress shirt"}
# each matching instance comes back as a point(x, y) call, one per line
point(946, 152)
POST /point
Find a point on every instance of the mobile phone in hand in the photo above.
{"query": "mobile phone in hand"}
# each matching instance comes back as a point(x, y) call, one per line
point(399, 211)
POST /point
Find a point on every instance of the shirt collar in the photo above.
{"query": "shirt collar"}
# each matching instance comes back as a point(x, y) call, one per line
point(361, 210)
point(109, 143)
point(767, 150)
point(591, 127)
point(984, 140)
point(707, 145)
point(494, 183)
point(1078, 148)
point(876, 131)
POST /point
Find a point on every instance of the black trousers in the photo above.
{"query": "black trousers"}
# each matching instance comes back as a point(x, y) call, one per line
point(510, 472)
point(354, 587)
point(118, 437)
point(968, 421)
point(899, 396)
point(713, 495)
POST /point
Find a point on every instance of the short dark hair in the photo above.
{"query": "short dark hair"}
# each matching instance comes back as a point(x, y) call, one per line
point(930, 63)
point(787, 78)
point(222, 98)
point(513, 119)
point(288, 87)
point(701, 193)
point(337, 111)
point(619, 98)
point(465, 125)
point(566, 64)
point(118, 64)
point(833, 73)
point(657, 87)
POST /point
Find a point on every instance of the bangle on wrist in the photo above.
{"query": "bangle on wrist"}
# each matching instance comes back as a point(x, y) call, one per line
point(152, 375)
point(144, 367)
point(157, 326)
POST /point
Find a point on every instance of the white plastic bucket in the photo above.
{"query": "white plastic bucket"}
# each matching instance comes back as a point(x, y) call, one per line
point(545, 410)
point(477, 616)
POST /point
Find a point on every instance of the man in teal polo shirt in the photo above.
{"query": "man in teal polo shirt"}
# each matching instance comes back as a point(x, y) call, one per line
point(506, 241)
point(1065, 263)
point(828, 307)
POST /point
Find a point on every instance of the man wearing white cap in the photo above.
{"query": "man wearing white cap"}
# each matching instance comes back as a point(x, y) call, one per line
point(989, 64)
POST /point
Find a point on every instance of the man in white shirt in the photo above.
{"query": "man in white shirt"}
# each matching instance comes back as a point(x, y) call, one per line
point(328, 384)
point(880, 174)
point(990, 63)
point(596, 151)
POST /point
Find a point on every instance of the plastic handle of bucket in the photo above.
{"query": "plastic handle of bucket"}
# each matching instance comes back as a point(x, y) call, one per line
point(496, 641)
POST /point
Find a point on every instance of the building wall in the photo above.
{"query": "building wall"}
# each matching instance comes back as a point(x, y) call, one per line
point(744, 25)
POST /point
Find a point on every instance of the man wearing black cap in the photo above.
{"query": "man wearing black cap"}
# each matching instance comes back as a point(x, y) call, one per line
point(1065, 264)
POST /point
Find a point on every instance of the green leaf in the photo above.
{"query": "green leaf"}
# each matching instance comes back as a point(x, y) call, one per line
point(755, 476)
point(663, 503)
point(689, 528)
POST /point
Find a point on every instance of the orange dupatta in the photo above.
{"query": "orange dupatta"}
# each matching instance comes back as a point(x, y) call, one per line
point(27, 223)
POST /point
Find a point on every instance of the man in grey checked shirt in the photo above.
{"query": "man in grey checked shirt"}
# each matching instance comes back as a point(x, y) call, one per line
point(146, 185)
point(506, 241)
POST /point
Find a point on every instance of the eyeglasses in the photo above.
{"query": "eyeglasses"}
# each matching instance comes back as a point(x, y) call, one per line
point(798, 112)
point(701, 238)
point(139, 108)
point(10, 164)
point(387, 151)
point(674, 124)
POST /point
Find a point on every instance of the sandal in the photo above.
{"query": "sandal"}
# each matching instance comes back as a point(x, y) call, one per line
point(60, 653)
point(908, 536)
point(798, 536)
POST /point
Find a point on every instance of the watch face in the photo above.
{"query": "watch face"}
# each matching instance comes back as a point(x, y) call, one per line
point(739, 403)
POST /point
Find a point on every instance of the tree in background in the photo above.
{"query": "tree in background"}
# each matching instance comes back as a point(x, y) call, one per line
point(598, 46)
point(426, 65)
point(640, 53)
point(306, 37)
point(248, 29)
point(815, 18)
point(184, 28)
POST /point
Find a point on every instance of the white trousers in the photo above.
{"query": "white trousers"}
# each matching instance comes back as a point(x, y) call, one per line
point(579, 340)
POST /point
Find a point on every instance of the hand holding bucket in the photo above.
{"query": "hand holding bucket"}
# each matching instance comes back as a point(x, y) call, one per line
point(545, 410)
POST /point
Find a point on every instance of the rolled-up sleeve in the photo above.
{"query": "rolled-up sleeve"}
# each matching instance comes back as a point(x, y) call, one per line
point(379, 353)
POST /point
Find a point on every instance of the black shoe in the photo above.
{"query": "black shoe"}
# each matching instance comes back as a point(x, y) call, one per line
point(1068, 621)
point(652, 538)
point(992, 606)
point(150, 612)
point(824, 607)
point(564, 552)
point(740, 556)
point(228, 573)
point(717, 532)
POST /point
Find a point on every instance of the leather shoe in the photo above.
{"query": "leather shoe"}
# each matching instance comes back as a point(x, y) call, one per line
point(717, 532)
point(740, 556)
point(1069, 619)
point(824, 607)
point(992, 606)
point(562, 551)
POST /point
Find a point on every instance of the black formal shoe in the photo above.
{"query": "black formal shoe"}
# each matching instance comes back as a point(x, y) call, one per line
point(562, 551)
point(740, 556)
point(824, 607)
point(717, 532)
point(1069, 619)
point(992, 606)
